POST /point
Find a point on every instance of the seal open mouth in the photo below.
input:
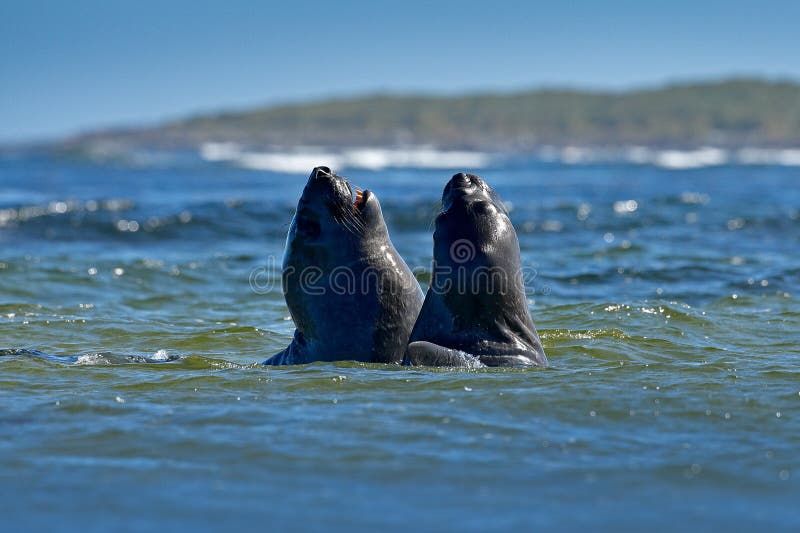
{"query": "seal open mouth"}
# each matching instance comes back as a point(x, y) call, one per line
point(360, 199)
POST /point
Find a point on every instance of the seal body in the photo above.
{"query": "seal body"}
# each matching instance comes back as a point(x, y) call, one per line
point(475, 311)
point(350, 294)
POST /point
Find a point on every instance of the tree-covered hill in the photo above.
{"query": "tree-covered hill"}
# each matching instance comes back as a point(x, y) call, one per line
point(731, 112)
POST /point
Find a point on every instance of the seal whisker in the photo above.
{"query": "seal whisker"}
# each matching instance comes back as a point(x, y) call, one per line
point(350, 224)
point(354, 221)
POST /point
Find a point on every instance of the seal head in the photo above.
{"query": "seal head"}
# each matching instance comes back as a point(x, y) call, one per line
point(475, 310)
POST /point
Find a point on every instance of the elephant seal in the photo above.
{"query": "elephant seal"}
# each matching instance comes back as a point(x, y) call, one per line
point(475, 312)
point(350, 294)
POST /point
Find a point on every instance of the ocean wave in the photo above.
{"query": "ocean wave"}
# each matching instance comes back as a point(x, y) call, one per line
point(789, 157)
point(685, 159)
point(299, 161)
point(675, 159)
point(14, 215)
point(126, 219)
point(94, 358)
point(302, 160)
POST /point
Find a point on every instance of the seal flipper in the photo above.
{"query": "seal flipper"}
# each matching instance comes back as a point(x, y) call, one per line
point(294, 354)
point(424, 353)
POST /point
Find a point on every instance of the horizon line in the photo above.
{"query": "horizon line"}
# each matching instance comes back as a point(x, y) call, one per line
point(396, 93)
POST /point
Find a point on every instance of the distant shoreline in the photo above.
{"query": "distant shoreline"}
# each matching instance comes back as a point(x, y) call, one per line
point(727, 114)
point(299, 159)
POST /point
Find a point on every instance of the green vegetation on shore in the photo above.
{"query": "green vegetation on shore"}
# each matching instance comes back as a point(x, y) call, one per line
point(731, 112)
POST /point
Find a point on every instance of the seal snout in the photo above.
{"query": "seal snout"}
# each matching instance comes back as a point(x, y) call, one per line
point(461, 185)
point(323, 183)
point(461, 179)
point(321, 171)
point(464, 182)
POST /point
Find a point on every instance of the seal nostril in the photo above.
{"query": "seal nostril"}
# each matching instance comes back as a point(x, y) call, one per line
point(461, 179)
point(321, 171)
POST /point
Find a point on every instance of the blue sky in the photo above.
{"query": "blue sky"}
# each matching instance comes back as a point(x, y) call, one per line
point(68, 66)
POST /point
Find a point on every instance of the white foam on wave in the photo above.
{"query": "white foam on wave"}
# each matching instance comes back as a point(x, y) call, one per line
point(705, 156)
point(376, 159)
point(470, 361)
point(684, 159)
point(92, 359)
point(301, 160)
point(289, 163)
point(641, 155)
point(160, 355)
point(219, 151)
point(789, 157)
point(115, 359)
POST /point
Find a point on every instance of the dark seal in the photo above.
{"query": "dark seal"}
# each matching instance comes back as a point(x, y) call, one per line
point(475, 312)
point(350, 294)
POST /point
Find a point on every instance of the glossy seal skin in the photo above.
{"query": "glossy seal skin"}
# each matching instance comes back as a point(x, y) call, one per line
point(475, 311)
point(350, 294)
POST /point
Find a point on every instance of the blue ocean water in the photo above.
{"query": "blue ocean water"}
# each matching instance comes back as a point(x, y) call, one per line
point(667, 303)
